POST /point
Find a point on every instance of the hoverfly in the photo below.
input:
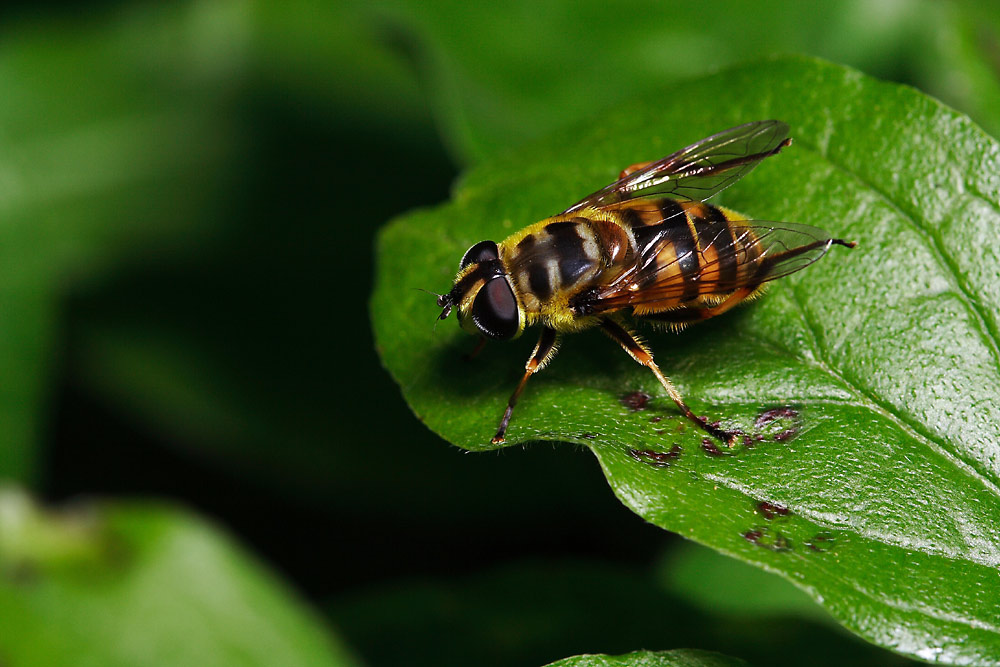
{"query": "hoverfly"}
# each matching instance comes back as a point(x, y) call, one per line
point(646, 245)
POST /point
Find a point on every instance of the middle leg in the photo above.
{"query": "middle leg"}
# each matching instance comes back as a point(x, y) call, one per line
point(641, 354)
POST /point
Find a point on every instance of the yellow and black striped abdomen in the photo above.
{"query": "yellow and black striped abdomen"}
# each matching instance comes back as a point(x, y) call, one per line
point(688, 253)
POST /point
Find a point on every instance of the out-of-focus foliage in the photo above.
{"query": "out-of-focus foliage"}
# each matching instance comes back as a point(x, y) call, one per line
point(719, 585)
point(504, 73)
point(188, 197)
point(531, 612)
point(140, 584)
point(106, 135)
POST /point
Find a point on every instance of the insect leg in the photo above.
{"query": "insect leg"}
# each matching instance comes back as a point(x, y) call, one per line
point(544, 351)
point(474, 352)
point(631, 169)
point(641, 354)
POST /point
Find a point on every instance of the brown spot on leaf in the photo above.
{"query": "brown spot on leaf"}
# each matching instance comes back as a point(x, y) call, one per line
point(820, 542)
point(767, 538)
point(710, 447)
point(779, 424)
point(636, 400)
point(786, 435)
point(655, 458)
point(770, 510)
point(768, 416)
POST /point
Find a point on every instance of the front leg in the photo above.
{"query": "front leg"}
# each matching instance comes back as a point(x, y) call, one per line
point(640, 353)
point(544, 351)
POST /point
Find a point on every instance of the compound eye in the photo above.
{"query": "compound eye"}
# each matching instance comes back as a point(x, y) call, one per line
point(481, 252)
point(494, 311)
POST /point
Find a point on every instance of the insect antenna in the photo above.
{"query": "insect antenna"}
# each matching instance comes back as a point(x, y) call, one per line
point(425, 291)
point(443, 300)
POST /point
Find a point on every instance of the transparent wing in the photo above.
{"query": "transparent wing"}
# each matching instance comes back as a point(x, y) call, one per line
point(761, 252)
point(699, 171)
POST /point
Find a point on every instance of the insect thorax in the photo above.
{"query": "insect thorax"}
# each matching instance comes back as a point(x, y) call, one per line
point(556, 259)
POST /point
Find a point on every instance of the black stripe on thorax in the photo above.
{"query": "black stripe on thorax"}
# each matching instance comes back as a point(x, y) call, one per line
point(567, 247)
point(538, 281)
point(526, 243)
point(538, 274)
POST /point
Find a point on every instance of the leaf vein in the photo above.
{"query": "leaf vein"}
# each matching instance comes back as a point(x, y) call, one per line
point(871, 401)
point(985, 326)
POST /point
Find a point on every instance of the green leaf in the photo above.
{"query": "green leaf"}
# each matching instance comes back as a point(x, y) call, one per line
point(887, 353)
point(28, 301)
point(111, 127)
point(142, 584)
point(267, 113)
point(679, 658)
point(720, 585)
point(501, 74)
point(531, 612)
point(334, 55)
point(107, 133)
point(960, 66)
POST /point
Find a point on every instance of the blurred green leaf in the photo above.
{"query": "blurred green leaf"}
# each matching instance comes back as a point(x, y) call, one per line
point(28, 303)
point(107, 132)
point(528, 613)
point(888, 353)
point(678, 658)
point(339, 58)
point(956, 57)
point(110, 129)
point(725, 586)
point(223, 337)
point(501, 74)
point(142, 584)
